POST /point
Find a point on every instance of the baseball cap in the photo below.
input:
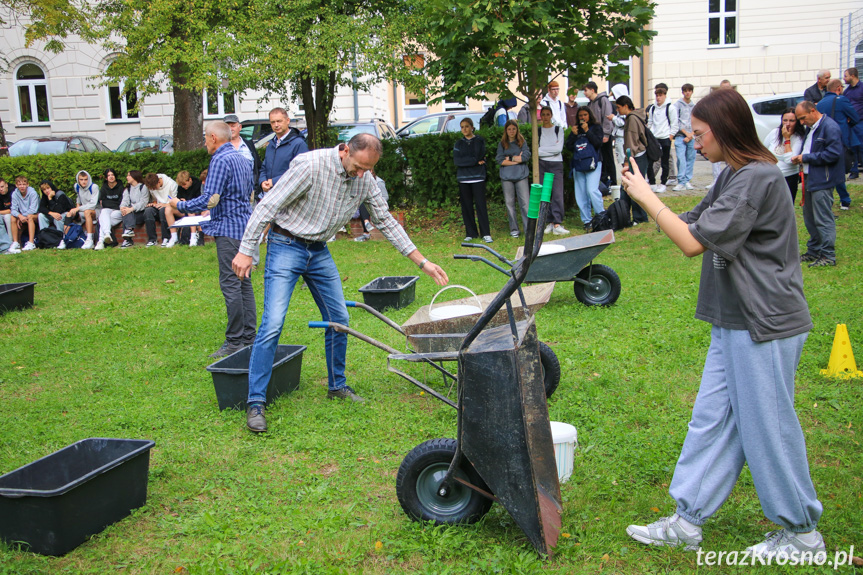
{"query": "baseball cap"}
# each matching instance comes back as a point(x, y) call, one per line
point(232, 119)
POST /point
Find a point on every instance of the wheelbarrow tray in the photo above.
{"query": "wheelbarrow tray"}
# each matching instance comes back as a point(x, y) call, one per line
point(565, 265)
point(425, 335)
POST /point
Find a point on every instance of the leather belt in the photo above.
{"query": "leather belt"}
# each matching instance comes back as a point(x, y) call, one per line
point(283, 232)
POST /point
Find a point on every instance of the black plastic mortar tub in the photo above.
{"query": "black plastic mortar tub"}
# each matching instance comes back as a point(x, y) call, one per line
point(16, 296)
point(231, 375)
point(389, 291)
point(53, 504)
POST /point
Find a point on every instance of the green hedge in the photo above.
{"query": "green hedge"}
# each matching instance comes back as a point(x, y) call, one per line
point(61, 168)
point(420, 170)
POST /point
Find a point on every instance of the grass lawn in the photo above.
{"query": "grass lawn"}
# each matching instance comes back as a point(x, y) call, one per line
point(117, 343)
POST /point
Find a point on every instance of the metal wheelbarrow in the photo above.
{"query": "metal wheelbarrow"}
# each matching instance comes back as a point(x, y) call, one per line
point(571, 259)
point(435, 341)
point(504, 451)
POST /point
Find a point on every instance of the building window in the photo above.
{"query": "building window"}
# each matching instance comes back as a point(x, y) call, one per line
point(858, 57)
point(121, 106)
point(32, 91)
point(722, 23)
point(619, 72)
point(219, 104)
point(414, 102)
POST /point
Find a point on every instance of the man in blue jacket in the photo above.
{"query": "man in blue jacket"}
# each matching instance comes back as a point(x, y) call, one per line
point(842, 111)
point(286, 145)
point(823, 169)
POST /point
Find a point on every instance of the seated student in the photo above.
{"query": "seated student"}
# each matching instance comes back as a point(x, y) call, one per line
point(87, 199)
point(135, 209)
point(161, 189)
point(5, 208)
point(203, 178)
point(25, 211)
point(110, 196)
point(53, 208)
point(188, 188)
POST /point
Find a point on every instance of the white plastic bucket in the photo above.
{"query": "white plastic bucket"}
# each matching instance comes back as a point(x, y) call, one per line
point(615, 192)
point(454, 310)
point(565, 438)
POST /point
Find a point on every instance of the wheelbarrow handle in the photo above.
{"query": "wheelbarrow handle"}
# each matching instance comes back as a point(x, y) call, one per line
point(481, 259)
point(489, 250)
point(323, 324)
point(377, 314)
point(341, 328)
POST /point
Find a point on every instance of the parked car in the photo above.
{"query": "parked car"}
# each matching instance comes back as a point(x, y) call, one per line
point(139, 144)
point(767, 111)
point(378, 127)
point(438, 123)
point(260, 129)
point(56, 145)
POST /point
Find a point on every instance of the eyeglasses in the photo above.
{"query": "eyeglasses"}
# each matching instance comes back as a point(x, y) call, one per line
point(700, 136)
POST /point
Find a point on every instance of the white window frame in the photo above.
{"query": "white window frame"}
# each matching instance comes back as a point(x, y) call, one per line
point(124, 112)
point(220, 101)
point(31, 88)
point(411, 112)
point(722, 15)
point(609, 65)
point(858, 56)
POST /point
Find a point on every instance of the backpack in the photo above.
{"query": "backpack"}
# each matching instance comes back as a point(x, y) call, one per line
point(49, 238)
point(487, 119)
point(651, 145)
point(583, 155)
point(652, 107)
point(74, 238)
point(616, 217)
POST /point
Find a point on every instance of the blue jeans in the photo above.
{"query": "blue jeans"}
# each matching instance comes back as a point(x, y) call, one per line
point(685, 159)
point(287, 260)
point(744, 413)
point(587, 194)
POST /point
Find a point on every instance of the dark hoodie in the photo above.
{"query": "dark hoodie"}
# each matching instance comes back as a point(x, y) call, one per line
point(193, 192)
point(109, 197)
point(467, 154)
point(60, 203)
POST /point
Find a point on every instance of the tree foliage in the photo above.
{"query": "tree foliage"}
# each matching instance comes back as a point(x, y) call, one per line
point(310, 48)
point(478, 46)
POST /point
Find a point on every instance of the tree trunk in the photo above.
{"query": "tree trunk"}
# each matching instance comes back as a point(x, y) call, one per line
point(188, 113)
point(318, 97)
point(533, 92)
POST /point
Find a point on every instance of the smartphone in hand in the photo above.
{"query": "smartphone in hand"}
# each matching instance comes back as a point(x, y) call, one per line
point(628, 155)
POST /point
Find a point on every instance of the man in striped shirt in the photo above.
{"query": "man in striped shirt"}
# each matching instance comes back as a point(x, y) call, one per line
point(307, 206)
point(229, 186)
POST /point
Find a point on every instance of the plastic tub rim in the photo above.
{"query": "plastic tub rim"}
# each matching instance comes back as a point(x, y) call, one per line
point(239, 371)
point(12, 493)
point(366, 289)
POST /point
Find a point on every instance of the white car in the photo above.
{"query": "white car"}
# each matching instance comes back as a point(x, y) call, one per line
point(767, 111)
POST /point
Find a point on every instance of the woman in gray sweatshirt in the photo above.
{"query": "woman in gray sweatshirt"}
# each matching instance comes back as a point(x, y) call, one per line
point(134, 210)
point(512, 157)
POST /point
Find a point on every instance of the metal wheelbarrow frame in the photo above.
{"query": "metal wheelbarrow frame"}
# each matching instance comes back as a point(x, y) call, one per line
point(593, 284)
point(504, 450)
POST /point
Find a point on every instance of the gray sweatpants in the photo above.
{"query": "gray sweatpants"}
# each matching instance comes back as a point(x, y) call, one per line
point(744, 413)
point(239, 296)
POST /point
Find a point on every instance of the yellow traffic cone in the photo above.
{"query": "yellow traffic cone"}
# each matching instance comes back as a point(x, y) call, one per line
point(842, 363)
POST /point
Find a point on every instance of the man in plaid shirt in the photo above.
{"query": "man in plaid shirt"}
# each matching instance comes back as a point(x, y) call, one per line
point(314, 199)
point(229, 186)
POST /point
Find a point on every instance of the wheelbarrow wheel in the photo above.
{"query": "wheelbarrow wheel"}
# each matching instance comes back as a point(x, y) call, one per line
point(604, 286)
point(418, 482)
point(550, 369)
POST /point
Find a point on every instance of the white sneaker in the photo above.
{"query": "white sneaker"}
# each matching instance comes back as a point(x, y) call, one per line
point(667, 532)
point(548, 228)
point(660, 188)
point(15, 248)
point(171, 243)
point(62, 245)
point(487, 239)
point(689, 186)
point(678, 188)
point(88, 244)
point(708, 186)
point(164, 242)
point(559, 230)
point(152, 243)
point(193, 239)
point(791, 546)
point(100, 245)
point(28, 246)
